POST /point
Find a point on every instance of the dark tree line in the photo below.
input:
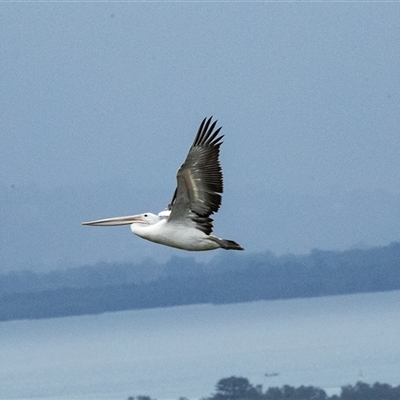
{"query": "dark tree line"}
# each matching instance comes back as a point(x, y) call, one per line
point(229, 278)
point(239, 388)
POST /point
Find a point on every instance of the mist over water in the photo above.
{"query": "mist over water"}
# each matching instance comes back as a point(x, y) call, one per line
point(183, 351)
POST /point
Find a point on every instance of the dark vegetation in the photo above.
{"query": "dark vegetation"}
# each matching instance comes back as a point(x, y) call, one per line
point(238, 388)
point(229, 278)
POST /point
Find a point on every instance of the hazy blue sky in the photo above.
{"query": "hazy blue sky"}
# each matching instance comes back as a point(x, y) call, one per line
point(101, 101)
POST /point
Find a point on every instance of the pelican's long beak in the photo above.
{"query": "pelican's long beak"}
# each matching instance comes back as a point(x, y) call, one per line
point(130, 219)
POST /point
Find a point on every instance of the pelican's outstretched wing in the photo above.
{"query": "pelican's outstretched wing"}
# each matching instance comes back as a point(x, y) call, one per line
point(198, 194)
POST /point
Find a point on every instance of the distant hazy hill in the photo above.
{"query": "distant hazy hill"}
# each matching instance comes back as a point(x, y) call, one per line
point(229, 278)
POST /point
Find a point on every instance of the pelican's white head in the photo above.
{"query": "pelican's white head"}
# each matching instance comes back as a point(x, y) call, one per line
point(146, 219)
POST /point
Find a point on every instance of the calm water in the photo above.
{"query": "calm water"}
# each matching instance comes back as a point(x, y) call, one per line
point(184, 351)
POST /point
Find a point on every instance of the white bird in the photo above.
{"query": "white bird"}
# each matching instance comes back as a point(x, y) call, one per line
point(186, 223)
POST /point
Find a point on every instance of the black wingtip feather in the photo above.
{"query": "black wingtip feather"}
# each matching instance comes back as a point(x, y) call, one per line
point(206, 134)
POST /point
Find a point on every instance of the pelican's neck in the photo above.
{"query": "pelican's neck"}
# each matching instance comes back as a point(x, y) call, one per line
point(147, 230)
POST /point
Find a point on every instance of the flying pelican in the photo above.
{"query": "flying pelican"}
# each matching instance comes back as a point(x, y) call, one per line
point(186, 223)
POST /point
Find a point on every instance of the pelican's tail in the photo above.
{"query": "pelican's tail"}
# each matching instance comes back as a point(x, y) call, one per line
point(227, 244)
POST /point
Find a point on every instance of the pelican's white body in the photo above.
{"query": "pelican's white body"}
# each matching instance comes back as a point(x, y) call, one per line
point(180, 236)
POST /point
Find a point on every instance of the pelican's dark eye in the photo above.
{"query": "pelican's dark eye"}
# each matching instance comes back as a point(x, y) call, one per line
point(145, 215)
